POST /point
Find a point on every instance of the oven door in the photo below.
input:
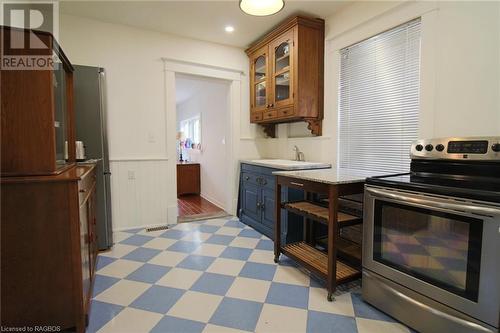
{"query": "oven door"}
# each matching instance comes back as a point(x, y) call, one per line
point(442, 248)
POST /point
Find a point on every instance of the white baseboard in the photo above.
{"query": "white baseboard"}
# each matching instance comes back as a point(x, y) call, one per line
point(213, 201)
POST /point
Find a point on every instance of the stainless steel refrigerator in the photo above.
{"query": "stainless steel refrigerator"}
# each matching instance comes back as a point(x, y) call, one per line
point(90, 116)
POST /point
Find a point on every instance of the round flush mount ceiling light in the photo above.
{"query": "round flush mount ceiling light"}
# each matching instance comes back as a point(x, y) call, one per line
point(261, 7)
point(229, 28)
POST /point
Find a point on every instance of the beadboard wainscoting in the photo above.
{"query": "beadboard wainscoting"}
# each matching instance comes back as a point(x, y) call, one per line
point(136, 188)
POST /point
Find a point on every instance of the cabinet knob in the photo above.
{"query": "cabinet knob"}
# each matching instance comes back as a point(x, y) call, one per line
point(83, 190)
point(271, 105)
point(247, 178)
point(258, 205)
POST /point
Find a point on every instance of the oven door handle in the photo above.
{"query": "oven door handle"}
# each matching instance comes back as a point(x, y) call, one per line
point(437, 203)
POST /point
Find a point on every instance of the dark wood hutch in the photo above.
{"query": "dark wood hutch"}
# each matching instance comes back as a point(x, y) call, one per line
point(48, 238)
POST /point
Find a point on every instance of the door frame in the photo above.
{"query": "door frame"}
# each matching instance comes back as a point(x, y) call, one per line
point(172, 67)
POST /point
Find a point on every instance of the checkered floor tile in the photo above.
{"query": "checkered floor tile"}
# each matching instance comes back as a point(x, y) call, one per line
point(218, 276)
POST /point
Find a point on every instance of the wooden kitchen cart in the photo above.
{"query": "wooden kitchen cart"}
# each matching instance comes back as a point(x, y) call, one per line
point(331, 265)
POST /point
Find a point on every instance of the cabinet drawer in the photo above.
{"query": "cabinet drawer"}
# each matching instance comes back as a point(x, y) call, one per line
point(270, 114)
point(255, 116)
point(285, 113)
point(85, 185)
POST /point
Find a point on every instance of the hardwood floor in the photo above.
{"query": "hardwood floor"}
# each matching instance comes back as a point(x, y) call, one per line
point(194, 205)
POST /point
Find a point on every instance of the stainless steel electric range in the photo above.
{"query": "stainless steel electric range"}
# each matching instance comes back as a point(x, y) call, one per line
point(431, 238)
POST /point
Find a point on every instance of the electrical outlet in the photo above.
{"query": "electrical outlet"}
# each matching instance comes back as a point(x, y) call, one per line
point(131, 174)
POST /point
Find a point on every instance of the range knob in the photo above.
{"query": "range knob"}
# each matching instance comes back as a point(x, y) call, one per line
point(496, 147)
point(429, 147)
point(419, 147)
point(439, 147)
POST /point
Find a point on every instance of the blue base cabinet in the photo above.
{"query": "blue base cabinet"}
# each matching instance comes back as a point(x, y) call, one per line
point(256, 203)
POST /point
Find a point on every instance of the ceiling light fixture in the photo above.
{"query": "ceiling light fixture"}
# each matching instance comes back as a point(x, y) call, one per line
point(261, 7)
point(229, 28)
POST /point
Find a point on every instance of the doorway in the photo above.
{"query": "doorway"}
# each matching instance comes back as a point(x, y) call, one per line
point(202, 110)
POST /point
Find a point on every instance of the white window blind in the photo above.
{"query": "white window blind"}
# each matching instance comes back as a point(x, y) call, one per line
point(379, 100)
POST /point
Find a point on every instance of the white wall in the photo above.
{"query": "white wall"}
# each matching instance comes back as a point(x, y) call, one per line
point(210, 101)
point(460, 70)
point(142, 174)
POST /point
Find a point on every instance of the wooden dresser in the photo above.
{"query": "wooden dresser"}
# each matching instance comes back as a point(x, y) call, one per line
point(188, 178)
point(48, 224)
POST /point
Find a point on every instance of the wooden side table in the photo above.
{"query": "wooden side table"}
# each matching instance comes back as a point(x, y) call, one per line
point(188, 178)
point(326, 265)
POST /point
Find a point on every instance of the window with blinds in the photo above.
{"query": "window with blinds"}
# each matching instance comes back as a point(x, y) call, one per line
point(379, 100)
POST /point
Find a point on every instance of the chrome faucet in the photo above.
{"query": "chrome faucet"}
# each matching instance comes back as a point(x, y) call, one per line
point(299, 156)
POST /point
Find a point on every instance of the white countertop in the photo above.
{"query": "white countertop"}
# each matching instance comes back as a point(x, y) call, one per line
point(330, 176)
point(287, 164)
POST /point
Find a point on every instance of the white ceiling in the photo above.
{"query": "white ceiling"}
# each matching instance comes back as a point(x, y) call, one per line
point(187, 86)
point(203, 20)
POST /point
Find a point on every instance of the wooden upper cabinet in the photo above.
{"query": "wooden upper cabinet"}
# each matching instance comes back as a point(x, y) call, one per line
point(37, 121)
point(286, 75)
point(259, 63)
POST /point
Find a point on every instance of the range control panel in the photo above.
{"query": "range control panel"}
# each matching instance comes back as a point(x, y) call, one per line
point(475, 148)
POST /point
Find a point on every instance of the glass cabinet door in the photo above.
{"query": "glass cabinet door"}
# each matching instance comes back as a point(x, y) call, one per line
point(259, 82)
point(282, 70)
point(60, 126)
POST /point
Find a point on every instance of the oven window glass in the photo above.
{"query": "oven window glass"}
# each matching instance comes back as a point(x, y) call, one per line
point(440, 248)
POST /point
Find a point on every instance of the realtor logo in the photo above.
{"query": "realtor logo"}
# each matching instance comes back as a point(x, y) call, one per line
point(25, 37)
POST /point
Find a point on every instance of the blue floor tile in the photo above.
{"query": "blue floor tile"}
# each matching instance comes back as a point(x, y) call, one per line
point(265, 244)
point(103, 261)
point(174, 234)
point(234, 224)
point(213, 284)
point(238, 253)
point(157, 299)
point(199, 263)
point(184, 246)
point(237, 313)
point(141, 254)
point(288, 295)
point(365, 310)
point(250, 233)
point(100, 314)
point(133, 231)
point(220, 239)
point(330, 323)
point(258, 271)
point(208, 228)
point(148, 273)
point(177, 325)
point(137, 240)
point(102, 283)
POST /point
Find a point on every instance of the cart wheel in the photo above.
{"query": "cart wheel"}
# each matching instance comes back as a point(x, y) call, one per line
point(330, 297)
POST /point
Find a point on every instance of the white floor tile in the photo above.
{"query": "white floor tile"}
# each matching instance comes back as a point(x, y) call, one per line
point(210, 328)
point(249, 289)
point(120, 268)
point(226, 231)
point(261, 256)
point(246, 242)
point(277, 319)
point(210, 250)
point(370, 326)
point(195, 306)
point(180, 278)
point(159, 243)
point(342, 304)
point(291, 275)
point(226, 266)
point(168, 258)
point(123, 292)
point(119, 250)
point(132, 321)
point(197, 236)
